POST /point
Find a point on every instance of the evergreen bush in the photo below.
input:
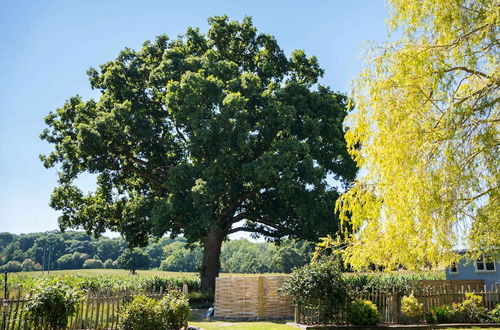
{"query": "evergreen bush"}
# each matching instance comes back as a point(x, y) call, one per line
point(362, 312)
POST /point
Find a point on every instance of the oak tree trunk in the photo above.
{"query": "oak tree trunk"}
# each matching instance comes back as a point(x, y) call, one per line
point(211, 259)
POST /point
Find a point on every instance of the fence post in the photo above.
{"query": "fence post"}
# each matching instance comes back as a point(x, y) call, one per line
point(397, 304)
point(5, 304)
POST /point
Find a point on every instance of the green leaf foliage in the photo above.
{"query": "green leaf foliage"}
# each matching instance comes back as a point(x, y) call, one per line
point(52, 305)
point(320, 285)
point(170, 313)
point(362, 312)
point(133, 259)
point(197, 133)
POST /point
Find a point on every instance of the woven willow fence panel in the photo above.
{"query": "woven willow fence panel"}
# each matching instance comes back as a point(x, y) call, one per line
point(252, 297)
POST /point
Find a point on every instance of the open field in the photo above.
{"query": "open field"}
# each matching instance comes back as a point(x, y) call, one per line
point(106, 279)
point(153, 272)
point(108, 272)
point(120, 278)
point(123, 272)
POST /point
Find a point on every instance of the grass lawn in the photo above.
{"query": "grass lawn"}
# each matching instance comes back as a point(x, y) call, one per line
point(230, 325)
point(263, 325)
point(197, 320)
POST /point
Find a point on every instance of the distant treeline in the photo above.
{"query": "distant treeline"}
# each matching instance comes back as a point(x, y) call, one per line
point(77, 250)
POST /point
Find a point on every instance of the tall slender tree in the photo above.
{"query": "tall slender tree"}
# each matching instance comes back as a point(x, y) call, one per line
point(205, 135)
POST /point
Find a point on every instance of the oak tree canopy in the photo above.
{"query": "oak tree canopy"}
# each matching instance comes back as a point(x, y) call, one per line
point(204, 135)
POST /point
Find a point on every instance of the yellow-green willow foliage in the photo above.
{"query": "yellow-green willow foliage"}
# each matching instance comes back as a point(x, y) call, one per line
point(426, 133)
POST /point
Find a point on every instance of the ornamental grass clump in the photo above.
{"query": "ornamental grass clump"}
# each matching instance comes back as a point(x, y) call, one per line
point(52, 305)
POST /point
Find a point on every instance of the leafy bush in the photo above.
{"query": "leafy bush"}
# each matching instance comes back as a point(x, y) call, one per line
point(470, 310)
point(199, 299)
point(93, 264)
point(52, 305)
point(318, 284)
point(494, 315)
point(173, 310)
point(199, 296)
point(143, 313)
point(411, 307)
point(362, 312)
point(440, 314)
point(139, 314)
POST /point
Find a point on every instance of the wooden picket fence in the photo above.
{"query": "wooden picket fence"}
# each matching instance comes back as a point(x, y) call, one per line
point(389, 302)
point(95, 311)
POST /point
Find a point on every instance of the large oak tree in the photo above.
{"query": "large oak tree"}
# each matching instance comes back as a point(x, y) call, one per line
point(205, 135)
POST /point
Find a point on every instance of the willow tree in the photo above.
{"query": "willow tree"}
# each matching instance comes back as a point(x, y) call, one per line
point(426, 133)
point(205, 135)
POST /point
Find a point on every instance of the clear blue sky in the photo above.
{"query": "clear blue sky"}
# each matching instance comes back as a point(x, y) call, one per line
point(47, 46)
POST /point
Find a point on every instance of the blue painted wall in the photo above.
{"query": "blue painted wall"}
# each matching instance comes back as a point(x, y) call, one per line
point(467, 271)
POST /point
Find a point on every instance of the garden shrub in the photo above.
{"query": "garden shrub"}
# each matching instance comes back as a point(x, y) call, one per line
point(411, 308)
point(142, 313)
point(139, 314)
point(470, 310)
point(494, 315)
point(52, 305)
point(198, 297)
point(362, 312)
point(318, 284)
point(173, 310)
point(440, 314)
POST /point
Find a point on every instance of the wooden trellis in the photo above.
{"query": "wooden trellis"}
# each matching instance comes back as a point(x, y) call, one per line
point(252, 297)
